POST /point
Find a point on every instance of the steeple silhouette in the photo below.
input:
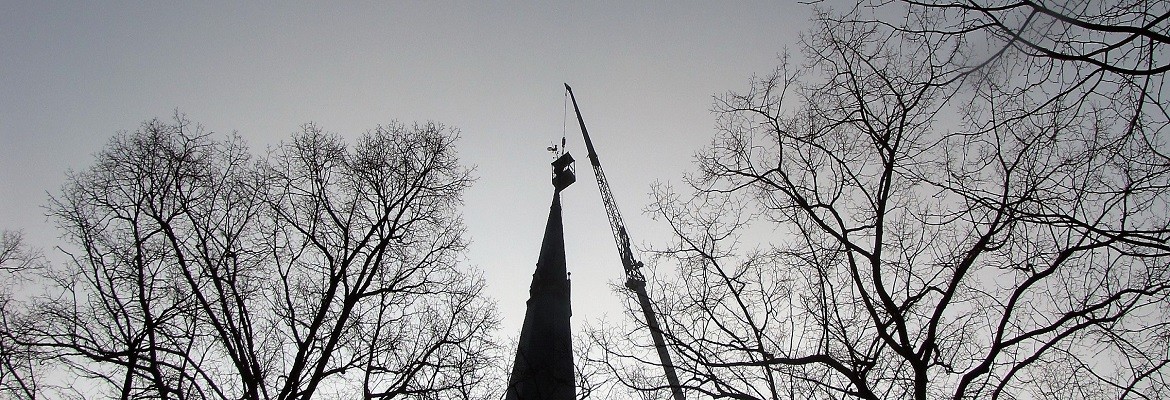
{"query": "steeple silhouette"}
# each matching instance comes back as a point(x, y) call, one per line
point(543, 369)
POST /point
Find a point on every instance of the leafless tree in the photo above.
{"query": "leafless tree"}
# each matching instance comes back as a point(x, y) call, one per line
point(893, 221)
point(18, 372)
point(1123, 37)
point(15, 255)
point(200, 272)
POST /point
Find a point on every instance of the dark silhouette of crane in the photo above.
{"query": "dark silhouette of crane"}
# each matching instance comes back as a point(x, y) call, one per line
point(635, 281)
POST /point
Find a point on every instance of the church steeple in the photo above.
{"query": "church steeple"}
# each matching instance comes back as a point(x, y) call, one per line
point(543, 369)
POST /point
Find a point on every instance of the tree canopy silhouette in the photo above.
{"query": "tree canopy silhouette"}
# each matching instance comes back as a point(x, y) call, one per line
point(941, 200)
point(200, 271)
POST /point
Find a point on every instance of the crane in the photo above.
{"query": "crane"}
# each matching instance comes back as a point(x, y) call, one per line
point(635, 281)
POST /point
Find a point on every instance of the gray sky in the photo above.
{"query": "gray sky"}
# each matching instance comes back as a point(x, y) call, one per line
point(74, 73)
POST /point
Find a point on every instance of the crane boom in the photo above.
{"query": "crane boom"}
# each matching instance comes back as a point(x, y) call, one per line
point(635, 281)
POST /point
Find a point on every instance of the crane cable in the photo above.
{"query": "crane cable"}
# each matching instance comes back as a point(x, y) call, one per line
point(553, 148)
point(565, 122)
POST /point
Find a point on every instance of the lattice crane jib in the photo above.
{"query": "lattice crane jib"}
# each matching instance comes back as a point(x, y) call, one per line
point(635, 280)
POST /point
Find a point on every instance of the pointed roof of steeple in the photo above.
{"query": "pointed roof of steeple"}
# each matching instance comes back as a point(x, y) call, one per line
point(543, 368)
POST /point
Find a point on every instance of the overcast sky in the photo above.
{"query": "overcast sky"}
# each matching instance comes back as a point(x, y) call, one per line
point(74, 73)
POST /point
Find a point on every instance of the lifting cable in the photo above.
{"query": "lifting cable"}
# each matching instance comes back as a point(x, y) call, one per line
point(565, 122)
point(560, 151)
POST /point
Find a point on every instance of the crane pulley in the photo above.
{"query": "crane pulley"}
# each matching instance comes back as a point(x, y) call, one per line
point(635, 280)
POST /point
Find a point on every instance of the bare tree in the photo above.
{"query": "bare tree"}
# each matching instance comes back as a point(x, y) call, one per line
point(1123, 37)
point(325, 270)
point(381, 222)
point(18, 372)
point(15, 255)
point(892, 221)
